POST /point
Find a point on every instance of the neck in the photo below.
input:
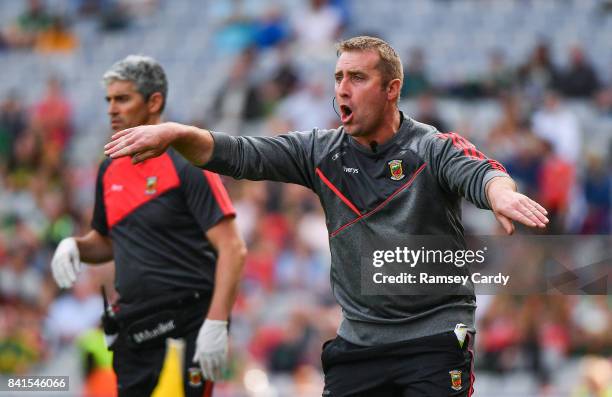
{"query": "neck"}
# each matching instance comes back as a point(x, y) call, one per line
point(387, 129)
point(154, 119)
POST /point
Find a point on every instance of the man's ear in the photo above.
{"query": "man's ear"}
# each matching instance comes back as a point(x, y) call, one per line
point(393, 90)
point(155, 102)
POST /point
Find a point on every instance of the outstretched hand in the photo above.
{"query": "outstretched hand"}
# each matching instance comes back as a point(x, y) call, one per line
point(509, 205)
point(142, 142)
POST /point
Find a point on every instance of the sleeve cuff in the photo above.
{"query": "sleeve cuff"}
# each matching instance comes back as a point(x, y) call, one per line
point(222, 144)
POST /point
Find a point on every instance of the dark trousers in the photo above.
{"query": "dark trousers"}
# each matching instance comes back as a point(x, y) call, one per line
point(138, 370)
point(433, 366)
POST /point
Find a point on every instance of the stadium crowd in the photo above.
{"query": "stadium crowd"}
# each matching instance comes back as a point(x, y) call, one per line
point(285, 309)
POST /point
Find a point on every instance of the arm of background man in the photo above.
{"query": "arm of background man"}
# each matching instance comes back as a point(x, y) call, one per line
point(283, 158)
point(465, 171)
point(231, 252)
point(94, 248)
point(212, 341)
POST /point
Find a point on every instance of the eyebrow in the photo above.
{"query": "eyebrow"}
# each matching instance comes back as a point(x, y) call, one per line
point(351, 72)
point(109, 97)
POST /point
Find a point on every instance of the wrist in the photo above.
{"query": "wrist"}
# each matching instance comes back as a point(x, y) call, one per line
point(497, 184)
point(217, 315)
point(211, 321)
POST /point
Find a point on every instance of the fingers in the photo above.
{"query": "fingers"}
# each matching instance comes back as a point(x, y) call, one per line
point(204, 365)
point(75, 265)
point(212, 366)
point(506, 223)
point(57, 273)
point(118, 139)
point(524, 216)
point(121, 133)
point(207, 369)
point(522, 209)
point(539, 207)
point(60, 272)
point(122, 150)
point(123, 146)
point(534, 214)
point(219, 367)
point(140, 157)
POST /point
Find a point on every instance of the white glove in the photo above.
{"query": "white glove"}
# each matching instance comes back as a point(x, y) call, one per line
point(211, 349)
point(66, 263)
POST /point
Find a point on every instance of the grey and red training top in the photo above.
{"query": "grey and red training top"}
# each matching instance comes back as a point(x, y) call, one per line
point(156, 214)
point(411, 185)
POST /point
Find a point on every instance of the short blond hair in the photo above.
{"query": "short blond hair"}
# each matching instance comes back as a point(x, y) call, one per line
point(390, 64)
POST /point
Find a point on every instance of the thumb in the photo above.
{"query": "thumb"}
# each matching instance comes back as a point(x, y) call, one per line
point(506, 223)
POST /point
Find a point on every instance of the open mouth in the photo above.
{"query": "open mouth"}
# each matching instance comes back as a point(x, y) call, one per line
point(346, 114)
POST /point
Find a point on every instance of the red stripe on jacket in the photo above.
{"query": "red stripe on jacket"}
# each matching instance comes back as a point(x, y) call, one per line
point(221, 196)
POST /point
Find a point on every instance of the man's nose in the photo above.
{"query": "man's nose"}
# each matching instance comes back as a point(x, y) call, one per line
point(343, 89)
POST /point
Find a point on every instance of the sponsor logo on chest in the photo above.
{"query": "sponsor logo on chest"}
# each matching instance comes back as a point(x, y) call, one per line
point(396, 169)
point(151, 187)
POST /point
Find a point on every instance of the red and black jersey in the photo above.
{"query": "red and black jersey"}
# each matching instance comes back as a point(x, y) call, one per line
point(156, 214)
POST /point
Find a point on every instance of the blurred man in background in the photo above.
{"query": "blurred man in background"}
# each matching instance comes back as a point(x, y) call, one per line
point(379, 175)
point(170, 229)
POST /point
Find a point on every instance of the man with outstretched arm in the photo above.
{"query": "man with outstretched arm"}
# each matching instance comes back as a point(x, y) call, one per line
point(380, 174)
point(170, 229)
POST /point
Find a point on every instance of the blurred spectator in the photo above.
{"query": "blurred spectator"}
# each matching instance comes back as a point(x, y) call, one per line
point(56, 38)
point(416, 81)
point(580, 79)
point(596, 379)
point(271, 29)
point(558, 125)
point(603, 102)
point(72, 314)
point(299, 268)
point(306, 107)
point(598, 196)
point(26, 158)
point(33, 21)
point(18, 278)
point(286, 76)
point(53, 116)
point(317, 28)
point(556, 179)
point(500, 77)
point(511, 141)
point(287, 355)
point(427, 112)
point(592, 321)
point(498, 335)
point(114, 16)
point(502, 138)
point(539, 74)
point(21, 343)
point(238, 99)
point(237, 29)
point(12, 124)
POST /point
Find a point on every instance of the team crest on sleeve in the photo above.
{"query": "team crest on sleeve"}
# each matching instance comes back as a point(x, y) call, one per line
point(151, 185)
point(455, 379)
point(396, 169)
point(195, 376)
